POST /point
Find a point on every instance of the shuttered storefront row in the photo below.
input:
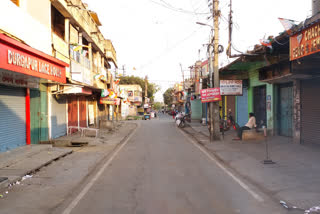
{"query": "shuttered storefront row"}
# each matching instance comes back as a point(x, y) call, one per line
point(12, 118)
point(310, 111)
point(58, 117)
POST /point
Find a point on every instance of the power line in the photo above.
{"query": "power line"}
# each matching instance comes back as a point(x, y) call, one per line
point(169, 6)
point(171, 48)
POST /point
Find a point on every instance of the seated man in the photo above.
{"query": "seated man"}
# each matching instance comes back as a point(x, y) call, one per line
point(250, 124)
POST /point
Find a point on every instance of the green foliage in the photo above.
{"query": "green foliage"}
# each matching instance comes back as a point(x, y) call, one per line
point(157, 106)
point(152, 88)
point(134, 117)
point(167, 96)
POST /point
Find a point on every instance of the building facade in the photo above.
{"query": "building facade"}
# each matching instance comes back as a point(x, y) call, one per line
point(55, 64)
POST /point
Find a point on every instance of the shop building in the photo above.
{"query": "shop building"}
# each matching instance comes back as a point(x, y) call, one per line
point(24, 74)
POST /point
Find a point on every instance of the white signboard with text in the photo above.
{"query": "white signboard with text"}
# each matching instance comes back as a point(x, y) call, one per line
point(231, 87)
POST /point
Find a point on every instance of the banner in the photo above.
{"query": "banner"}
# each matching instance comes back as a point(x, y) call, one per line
point(231, 87)
point(109, 101)
point(210, 95)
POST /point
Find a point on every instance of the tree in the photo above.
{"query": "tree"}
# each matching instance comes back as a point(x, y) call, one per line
point(157, 106)
point(152, 88)
point(167, 96)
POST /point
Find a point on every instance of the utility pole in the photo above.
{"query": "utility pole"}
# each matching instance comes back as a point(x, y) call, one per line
point(214, 107)
point(124, 70)
point(146, 89)
point(182, 75)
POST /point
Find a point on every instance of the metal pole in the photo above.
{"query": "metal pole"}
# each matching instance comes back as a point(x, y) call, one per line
point(182, 76)
point(215, 108)
point(211, 130)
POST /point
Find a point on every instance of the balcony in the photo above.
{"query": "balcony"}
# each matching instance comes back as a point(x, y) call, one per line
point(80, 73)
point(110, 51)
point(60, 48)
point(84, 19)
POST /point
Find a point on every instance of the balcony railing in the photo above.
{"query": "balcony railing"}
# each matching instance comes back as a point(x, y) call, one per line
point(79, 58)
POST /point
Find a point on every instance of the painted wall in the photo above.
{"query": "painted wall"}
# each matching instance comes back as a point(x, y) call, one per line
point(253, 82)
point(24, 26)
point(42, 15)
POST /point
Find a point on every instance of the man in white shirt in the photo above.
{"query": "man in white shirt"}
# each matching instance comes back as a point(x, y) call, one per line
point(250, 124)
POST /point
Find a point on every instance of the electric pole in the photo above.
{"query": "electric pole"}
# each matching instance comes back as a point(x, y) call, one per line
point(146, 89)
point(182, 76)
point(214, 106)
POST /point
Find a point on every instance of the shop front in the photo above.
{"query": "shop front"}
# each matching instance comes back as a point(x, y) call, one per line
point(24, 73)
point(304, 57)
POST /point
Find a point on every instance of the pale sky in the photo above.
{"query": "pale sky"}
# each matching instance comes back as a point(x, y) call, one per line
point(155, 36)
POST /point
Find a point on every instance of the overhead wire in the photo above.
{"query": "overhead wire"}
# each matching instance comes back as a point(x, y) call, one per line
point(169, 6)
point(171, 48)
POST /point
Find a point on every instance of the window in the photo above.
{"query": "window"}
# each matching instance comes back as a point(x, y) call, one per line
point(16, 2)
point(57, 22)
point(130, 93)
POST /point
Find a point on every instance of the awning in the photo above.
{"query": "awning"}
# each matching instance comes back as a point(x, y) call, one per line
point(79, 90)
point(95, 17)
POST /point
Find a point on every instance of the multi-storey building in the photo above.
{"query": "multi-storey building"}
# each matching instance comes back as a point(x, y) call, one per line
point(54, 66)
point(134, 96)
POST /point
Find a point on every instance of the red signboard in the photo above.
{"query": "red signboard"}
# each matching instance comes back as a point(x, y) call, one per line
point(210, 95)
point(109, 101)
point(20, 58)
point(305, 43)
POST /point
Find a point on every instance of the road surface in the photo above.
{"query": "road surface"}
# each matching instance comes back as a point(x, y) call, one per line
point(159, 170)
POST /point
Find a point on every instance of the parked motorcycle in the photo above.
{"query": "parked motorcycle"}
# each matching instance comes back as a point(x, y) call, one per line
point(226, 124)
point(181, 119)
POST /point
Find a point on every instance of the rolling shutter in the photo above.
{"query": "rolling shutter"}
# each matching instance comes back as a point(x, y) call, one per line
point(58, 117)
point(12, 118)
point(310, 111)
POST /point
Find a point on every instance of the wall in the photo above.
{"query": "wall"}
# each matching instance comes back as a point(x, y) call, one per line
point(40, 10)
point(253, 82)
point(296, 111)
point(25, 27)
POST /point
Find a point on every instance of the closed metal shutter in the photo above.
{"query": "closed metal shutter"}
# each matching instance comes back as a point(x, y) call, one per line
point(310, 111)
point(12, 118)
point(58, 117)
point(196, 108)
point(242, 108)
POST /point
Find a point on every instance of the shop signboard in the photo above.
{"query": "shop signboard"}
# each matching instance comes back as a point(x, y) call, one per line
point(210, 95)
point(305, 43)
point(109, 101)
point(18, 57)
point(231, 87)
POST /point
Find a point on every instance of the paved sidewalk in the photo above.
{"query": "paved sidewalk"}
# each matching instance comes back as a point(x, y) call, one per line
point(294, 177)
point(26, 160)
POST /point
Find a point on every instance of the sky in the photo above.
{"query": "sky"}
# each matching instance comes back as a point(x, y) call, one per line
point(160, 38)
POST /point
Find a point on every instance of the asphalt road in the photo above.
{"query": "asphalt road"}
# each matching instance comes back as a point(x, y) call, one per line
point(159, 170)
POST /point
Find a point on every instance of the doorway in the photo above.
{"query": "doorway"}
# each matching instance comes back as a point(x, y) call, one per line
point(259, 105)
point(285, 105)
